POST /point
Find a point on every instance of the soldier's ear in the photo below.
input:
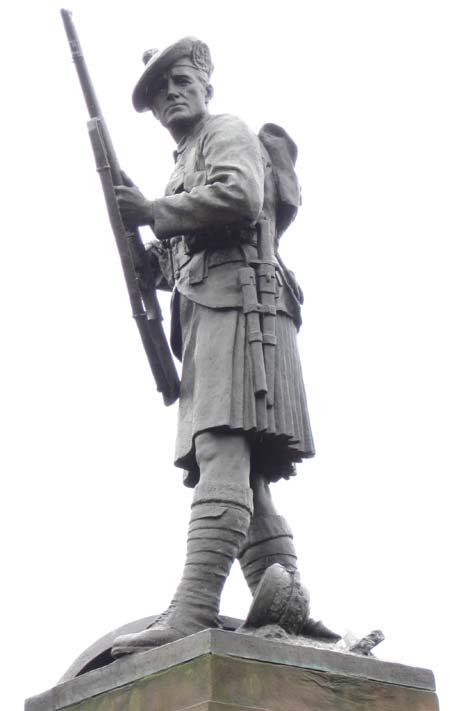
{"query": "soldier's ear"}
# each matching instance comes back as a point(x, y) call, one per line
point(209, 93)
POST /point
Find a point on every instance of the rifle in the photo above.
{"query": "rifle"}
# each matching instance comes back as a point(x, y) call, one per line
point(144, 303)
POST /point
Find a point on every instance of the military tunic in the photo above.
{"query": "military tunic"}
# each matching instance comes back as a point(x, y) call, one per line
point(221, 186)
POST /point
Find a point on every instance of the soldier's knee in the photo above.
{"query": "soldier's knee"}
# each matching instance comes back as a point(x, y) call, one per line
point(223, 455)
point(205, 448)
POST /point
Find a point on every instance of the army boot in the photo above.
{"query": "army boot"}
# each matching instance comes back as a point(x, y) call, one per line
point(220, 517)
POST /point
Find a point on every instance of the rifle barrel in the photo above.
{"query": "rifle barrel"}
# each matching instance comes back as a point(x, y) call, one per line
point(90, 97)
point(135, 243)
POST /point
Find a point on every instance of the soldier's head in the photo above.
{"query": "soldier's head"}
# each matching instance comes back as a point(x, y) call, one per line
point(175, 85)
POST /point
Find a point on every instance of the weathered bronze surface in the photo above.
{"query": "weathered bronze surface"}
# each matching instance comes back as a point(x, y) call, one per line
point(243, 419)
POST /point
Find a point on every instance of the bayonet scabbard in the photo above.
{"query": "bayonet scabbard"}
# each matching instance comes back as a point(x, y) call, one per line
point(267, 287)
point(247, 282)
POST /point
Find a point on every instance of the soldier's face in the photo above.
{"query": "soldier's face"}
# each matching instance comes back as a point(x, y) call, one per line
point(180, 99)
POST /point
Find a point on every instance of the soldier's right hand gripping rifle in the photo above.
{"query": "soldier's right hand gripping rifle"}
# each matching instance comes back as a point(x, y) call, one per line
point(144, 303)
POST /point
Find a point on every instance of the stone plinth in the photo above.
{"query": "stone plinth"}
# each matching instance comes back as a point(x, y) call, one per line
point(216, 670)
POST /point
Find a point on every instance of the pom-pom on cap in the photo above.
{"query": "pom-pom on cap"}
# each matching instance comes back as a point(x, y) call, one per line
point(189, 50)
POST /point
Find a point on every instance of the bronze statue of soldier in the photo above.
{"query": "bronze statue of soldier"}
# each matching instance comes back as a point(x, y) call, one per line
point(233, 303)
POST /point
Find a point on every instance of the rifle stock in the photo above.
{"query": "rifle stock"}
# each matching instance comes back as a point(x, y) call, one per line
point(144, 303)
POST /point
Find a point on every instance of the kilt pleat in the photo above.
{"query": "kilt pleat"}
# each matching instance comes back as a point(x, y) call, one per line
point(217, 390)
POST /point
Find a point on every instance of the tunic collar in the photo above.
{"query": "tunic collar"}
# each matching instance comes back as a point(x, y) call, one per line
point(187, 140)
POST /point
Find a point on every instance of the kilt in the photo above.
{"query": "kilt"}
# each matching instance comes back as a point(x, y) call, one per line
point(217, 391)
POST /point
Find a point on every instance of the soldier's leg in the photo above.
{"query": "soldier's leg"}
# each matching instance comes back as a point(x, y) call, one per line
point(269, 541)
point(220, 517)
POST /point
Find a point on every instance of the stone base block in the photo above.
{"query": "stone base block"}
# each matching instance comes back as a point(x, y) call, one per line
point(216, 670)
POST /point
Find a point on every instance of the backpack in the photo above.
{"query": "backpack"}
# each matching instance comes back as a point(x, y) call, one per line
point(283, 155)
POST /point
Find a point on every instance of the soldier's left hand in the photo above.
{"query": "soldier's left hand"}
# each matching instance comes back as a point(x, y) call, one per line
point(134, 207)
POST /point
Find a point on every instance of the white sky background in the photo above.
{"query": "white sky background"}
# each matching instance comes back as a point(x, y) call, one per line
point(94, 512)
